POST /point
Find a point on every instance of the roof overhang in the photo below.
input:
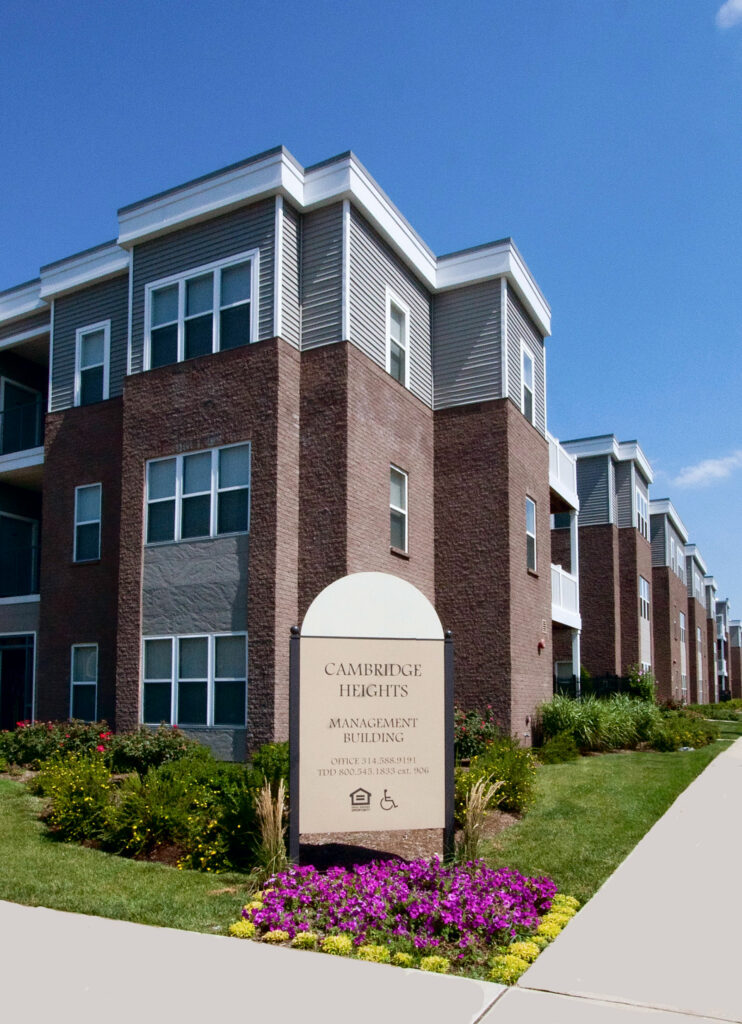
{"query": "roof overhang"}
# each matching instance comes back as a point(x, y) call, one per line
point(93, 265)
point(692, 551)
point(664, 507)
point(23, 300)
point(606, 444)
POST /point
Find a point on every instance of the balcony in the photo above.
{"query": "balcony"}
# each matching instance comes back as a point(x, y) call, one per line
point(19, 574)
point(562, 473)
point(22, 440)
point(565, 598)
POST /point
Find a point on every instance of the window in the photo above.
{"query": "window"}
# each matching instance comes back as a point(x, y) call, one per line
point(531, 534)
point(92, 356)
point(699, 641)
point(397, 339)
point(398, 508)
point(646, 667)
point(195, 680)
point(210, 309)
point(682, 628)
point(204, 494)
point(84, 682)
point(642, 517)
point(87, 523)
point(643, 598)
point(526, 365)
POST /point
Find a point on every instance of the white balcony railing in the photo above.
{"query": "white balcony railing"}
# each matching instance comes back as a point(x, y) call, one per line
point(562, 472)
point(565, 601)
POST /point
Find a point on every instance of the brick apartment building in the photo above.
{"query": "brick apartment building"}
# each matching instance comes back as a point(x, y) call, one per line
point(711, 645)
point(670, 625)
point(615, 568)
point(265, 382)
point(723, 666)
point(735, 657)
point(702, 684)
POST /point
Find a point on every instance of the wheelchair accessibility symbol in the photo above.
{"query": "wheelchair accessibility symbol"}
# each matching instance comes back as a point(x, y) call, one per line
point(386, 803)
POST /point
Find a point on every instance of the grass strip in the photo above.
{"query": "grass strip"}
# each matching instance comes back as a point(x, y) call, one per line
point(589, 814)
point(39, 871)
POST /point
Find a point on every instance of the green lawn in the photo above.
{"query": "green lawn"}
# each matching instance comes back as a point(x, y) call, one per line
point(730, 730)
point(589, 814)
point(39, 871)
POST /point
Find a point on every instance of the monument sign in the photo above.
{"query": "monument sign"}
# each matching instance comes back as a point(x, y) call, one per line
point(371, 712)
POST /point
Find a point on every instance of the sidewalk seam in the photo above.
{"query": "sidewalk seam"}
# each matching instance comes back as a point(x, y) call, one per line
point(623, 1002)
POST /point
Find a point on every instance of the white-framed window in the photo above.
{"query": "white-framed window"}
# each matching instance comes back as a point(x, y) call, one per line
point(682, 628)
point(643, 598)
point(531, 534)
point(646, 667)
point(198, 495)
point(699, 640)
point(684, 686)
point(92, 360)
point(397, 338)
point(195, 680)
point(398, 534)
point(642, 515)
point(526, 376)
point(208, 309)
point(84, 682)
point(698, 589)
point(87, 522)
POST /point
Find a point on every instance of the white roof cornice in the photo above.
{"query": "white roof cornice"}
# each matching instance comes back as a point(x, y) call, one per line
point(664, 507)
point(692, 551)
point(606, 444)
point(21, 301)
point(93, 265)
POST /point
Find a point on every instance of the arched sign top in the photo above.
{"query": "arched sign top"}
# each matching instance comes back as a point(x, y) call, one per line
point(372, 604)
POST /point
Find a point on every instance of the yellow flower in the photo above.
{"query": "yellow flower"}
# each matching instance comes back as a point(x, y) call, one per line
point(375, 954)
point(525, 950)
point(435, 964)
point(305, 940)
point(277, 935)
point(242, 929)
point(507, 969)
point(337, 945)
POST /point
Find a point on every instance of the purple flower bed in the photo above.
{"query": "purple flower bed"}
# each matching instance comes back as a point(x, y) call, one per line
point(462, 910)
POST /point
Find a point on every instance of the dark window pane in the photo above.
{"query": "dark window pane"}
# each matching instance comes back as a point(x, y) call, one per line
point(531, 552)
point(397, 362)
point(232, 512)
point(561, 520)
point(230, 657)
point(196, 516)
point(83, 702)
point(198, 336)
point(397, 523)
point(88, 542)
point(192, 703)
point(158, 659)
point(164, 346)
point(229, 703)
point(528, 405)
point(161, 521)
point(234, 466)
point(235, 284)
point(193, 657)
point(91, 385)
point(235, 327)
point(156, 702)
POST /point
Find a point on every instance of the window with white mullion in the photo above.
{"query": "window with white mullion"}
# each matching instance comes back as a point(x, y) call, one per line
point(158, 703)
point(193, 680)
point(92, 355)
point(84, 682)
point(397, 339)
point(87, 523)
point(526, 363)
point(531, 534)
point(198, 295)
point(197, 483)
point(398, 508)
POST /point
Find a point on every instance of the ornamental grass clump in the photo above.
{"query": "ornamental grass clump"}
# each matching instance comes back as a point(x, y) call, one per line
point(620, 722)
point(271, 813)
point(420, 908)
point(479, 799)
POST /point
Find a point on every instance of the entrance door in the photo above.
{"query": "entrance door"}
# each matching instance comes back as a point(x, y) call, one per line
point(16, 680)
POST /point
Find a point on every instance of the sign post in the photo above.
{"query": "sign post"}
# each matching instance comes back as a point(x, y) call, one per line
point(371, 713)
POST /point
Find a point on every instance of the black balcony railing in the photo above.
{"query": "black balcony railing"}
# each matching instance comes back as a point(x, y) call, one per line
point(22, 426)
point(19, 571)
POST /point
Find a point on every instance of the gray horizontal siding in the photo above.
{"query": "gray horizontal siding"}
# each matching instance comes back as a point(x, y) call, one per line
point(373, 268)
point(658, 540)
point(291, 298)
point(467, 351)
point(195, 587)
point(593, 489)
point(28, 323)
point(251, 227)
point(108, 300)
point(322, 277)
point(520, 328)
point(624, 494)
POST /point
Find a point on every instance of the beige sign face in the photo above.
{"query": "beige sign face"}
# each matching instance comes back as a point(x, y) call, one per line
point(371, 735)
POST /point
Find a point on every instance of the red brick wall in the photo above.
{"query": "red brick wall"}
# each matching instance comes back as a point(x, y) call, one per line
point(487, 459)
point(711, 659)
point(561, 638)
point(600, 603)
point(735, 670)
point(635, 560)
point(669, 599)
point(79, 601)
point(245, 394)
point(697, 619)
point(388, 425)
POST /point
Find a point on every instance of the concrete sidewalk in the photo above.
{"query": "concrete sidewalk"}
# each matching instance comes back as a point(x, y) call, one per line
point(659, 942)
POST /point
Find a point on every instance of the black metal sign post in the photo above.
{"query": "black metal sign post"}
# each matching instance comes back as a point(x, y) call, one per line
point(295, 752)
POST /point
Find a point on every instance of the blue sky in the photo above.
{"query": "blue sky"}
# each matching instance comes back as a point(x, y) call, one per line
point(604, 136)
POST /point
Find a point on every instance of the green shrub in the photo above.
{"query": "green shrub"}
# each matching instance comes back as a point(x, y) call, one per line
point(154, 811)
point(473, 731)
point(272, 760)
point(31, 744)
point(148, 748)
point(620, 722)
point(505, 761)
point(558, 749)
point(717, 712)
point(642, 684)
point(79, 788)
point(678, 729)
